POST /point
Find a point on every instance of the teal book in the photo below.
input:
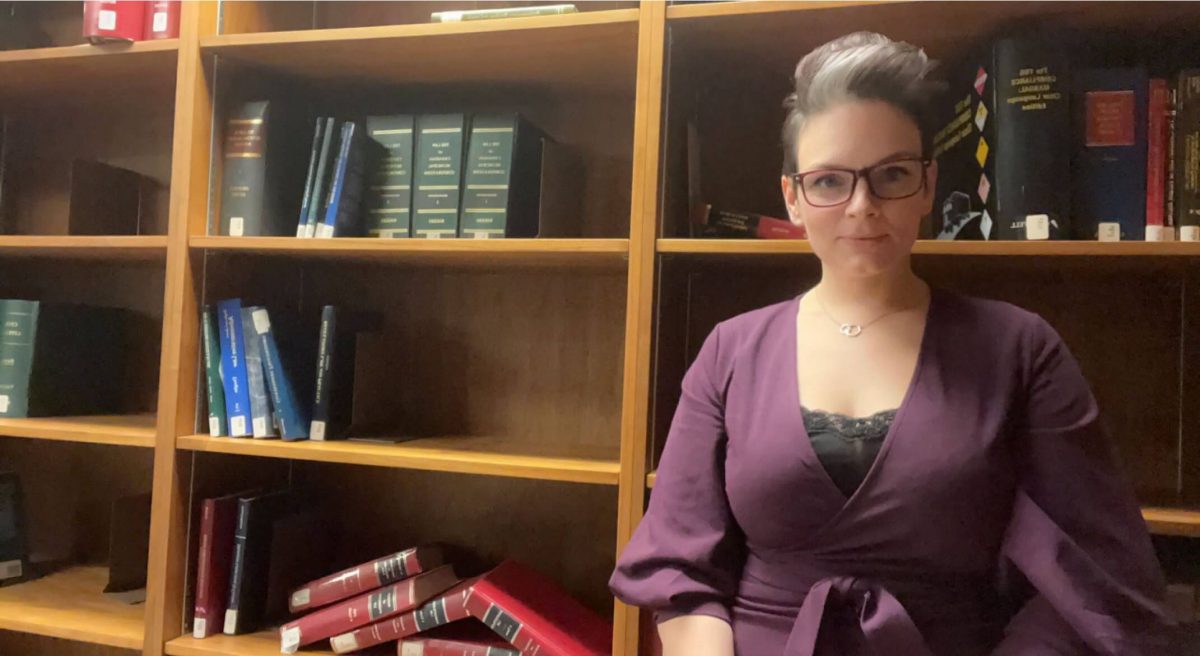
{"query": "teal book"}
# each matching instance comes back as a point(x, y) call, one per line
point(388, 201)
point(438, 176)
point(217, 419)
point(502, 183)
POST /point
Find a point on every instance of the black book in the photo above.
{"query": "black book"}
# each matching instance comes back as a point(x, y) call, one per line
point(333, 398)
point(251, 555)
point(14, 540)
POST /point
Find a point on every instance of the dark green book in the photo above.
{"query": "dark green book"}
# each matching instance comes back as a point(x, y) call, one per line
point(503, 178)
point(389, 190)
point(263, 167)
point(217, 417)
point(438, 175)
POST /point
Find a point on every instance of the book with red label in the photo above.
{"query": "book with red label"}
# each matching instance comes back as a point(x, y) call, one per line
point(1156, 160)
point(535, 615)
point(449, 607)
point(108, 21)
point(468, 638)
point(366, 609)
point(162, 20)
point(218, 519)
point(709, 221)
point(367, 576)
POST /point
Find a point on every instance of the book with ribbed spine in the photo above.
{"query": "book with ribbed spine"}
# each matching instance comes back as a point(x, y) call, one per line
point(460, 639)
point(218, 420)
point(438, 175)
point(447, 608)
point(367, 576)
point(388, 203)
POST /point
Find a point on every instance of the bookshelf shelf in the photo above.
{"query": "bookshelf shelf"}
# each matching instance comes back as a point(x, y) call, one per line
point(464, 252)
point(750, 247)
point(120, 430)
point(717, 10)
point(487, 456)
point(145, 248)
point(79, 68)
point(591, 50)
point(70, 605)
point(263, 643)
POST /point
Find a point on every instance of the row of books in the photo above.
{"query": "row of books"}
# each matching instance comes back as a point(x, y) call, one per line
point(289, 379)
point(107, 21)
point(251, 574)
point(430, 176)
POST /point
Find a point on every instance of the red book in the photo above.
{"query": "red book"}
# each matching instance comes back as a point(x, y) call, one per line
point(365, 609)
point(218, 518)
point(462, 639)
point(162, 20)
point(367, 576)
point(450, 607)
point(709, 221)
point(105, 21)
point(535, 615)
point(1156, 160)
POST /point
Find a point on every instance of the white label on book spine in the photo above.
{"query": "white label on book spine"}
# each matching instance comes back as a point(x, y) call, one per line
point(237, 425)
point(316, 431)
point(1109, 231)
point(324, 231)
point(230, 621)
point(1155, 233)
point(301, 597)
point(107, 20)
point(1189, 233)
point(214, 426)
point(310, 231)
point(3, 403)
point(160, 21)
point(344, 643)
point(237, 226)
point(260, 427)
point(10, 569)
point(262, 321)
point(1037, 227)
point(290, 640)
point(198, 628)
point(412, 649)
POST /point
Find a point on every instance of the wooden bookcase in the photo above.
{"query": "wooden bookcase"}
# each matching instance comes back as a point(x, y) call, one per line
point(539, 375)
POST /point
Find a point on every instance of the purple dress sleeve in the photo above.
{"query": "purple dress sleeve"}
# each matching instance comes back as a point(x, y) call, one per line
point(1076, 531)
point(684, 557)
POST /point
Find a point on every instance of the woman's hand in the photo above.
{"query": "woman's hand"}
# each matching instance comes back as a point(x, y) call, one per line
point(696, 635)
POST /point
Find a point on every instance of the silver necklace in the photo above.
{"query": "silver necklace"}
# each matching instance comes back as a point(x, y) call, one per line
point(853, 329)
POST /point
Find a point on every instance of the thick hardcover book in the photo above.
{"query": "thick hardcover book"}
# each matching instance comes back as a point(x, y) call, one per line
point(365, 609)
point(502, 182)
point(262, 160)
point(1187, 155)
point(438, 175)
point(1003, 147)
point(14, 541)
point(108, 21)
point(333, 394)
point(313, 158)
point(388, 204)
point(262, 422)
point(57, 358)
point(162, 19)
point(215, 388)
point(451, 606)
point(291, 416)
point(503, 12)
point(367, 576)
point(233, 366)
point(302, 546)
point(1156, 160)
point(343, 215)
point(218, 519)
point(256, 517)
point(535, 615)
point(1109, 170)
point(316, 202)
point(708, 221)
point(461, 639)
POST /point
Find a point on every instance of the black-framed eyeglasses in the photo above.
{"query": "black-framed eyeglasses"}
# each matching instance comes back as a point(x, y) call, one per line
point(886, 181)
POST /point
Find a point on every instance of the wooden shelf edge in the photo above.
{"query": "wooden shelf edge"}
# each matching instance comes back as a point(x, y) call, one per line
point(226, 42)
point(1172, 521)
point(753, 247)
point(608, 252)
point(71, 606)
point(131, 430)
point(413, 455)
point(749, 7)
point(263, 643)
point(149, 247)
point(84, 50)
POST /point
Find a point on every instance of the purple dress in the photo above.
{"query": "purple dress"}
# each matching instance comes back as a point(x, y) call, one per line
point(996, 457)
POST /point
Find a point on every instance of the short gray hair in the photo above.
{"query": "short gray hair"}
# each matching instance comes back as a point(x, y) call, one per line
point(862, 66)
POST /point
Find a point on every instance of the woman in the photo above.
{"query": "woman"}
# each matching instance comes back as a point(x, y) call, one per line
point(878, 467)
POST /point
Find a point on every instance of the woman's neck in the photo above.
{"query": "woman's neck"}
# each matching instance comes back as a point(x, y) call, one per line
point(855, 297)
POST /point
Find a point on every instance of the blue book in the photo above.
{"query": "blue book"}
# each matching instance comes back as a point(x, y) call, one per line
point(291, 417)
point(262, 423)
point(314, 156)
point(342, 212)
point(233, 366)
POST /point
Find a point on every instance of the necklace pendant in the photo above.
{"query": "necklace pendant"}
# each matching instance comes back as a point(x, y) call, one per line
point(851, 329)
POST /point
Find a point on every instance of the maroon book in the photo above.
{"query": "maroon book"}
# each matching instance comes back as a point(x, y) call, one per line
point(162, 20)
point(106, 21)
point(449, 607)
point(218, 519)
point(468, 638)
point(366, 609)
point(367, 576)
point(535, 615)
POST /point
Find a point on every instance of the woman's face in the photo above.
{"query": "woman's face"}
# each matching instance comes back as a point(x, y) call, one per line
point(863, 236)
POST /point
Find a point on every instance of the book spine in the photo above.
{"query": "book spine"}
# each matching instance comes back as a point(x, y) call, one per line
point(325, 364)
point(724, 223)
point(17, 342)
point(1156, 159)
point(1033, 146)
point(106, 21)
point(345, 616)
point(262, 424)
point(440, 612)
point(1187, 156)
point(203, 624)
point(162, 19)
point(438, 175)
point(389, 195)
point(486, 183)
point(330, 143)
point(436, 647)
point(233, 367)
point(292, 424)
point(217, 419)
point(327, 227)
point(244, 176)
point(522, 636)
point(1169, 208)
point(237, 573)
point(513, 12)
point(305, 200)
point(367, 576)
